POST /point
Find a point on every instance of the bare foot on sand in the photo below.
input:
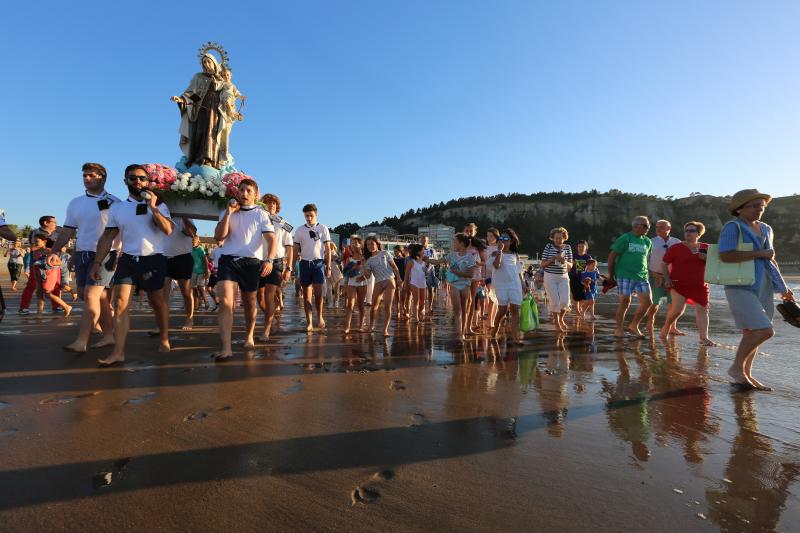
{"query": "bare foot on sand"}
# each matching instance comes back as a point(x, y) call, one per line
point(189, 325)
point(708, 342)
point(163, 347)
point(67, 310)
point(676, 331)
point(636, 332)
point(74, 348)
point(105, 341)
point(249, 344)
point(111, 360)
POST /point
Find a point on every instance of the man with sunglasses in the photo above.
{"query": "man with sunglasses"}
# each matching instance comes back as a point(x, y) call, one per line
point(143, 222)
point(87, 216)
point(662, 242)
point(312, 245)
point(627, 265)
point(246, 256)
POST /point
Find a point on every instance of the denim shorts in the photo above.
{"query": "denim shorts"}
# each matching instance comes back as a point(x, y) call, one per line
point(83, 269)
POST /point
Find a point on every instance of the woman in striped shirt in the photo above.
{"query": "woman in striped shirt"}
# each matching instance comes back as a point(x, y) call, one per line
point(381, 264)
point(556, 261)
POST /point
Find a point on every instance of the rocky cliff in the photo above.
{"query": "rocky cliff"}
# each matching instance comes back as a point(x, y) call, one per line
point(598, 217)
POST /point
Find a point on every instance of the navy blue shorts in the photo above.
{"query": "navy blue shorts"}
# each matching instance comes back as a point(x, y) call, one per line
point(275, 277)
point(180, 266)
point(245, 271)
point(83, 269)
point(312, 272)
point(146, 271)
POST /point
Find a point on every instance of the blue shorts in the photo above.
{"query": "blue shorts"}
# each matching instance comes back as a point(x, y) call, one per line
point(83, 269)
point(146, 271)
point(245, 271)
point(627, 287)
point(312, 272)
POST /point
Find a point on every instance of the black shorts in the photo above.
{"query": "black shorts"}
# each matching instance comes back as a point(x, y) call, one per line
point(180, 266)
point(146, 272)
point(274, 277)
point(245, 271)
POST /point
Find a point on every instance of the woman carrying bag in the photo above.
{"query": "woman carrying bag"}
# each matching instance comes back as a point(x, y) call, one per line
point(751, 305)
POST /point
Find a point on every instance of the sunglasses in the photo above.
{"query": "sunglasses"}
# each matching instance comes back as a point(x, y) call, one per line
point(137, 178)
point(91, 175)
point(690, 230)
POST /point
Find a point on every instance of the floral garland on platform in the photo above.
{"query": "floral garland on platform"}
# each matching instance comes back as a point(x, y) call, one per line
point(169, 183)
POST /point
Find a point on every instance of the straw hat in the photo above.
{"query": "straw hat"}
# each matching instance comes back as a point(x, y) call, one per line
point(744, 196)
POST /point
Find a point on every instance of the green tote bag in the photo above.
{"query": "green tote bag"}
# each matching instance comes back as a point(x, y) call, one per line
point(719, 273)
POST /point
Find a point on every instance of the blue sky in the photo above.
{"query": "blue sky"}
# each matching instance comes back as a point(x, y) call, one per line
point(369, 108)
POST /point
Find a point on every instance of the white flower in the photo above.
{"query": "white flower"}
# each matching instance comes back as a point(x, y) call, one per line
point(202, 188)
point(174, 186)
point(209, 193)
point(221, 193)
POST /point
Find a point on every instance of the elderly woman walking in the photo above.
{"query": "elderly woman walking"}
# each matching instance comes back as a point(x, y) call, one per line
point(683, 267)
point(752, 306)
point(556, 261)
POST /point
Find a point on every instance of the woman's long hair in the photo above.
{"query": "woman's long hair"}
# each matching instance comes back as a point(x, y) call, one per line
point(366, 252)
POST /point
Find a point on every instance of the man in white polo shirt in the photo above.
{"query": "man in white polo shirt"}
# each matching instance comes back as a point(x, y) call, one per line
point(180, 263)
point(87, 215)
point(143, 222)
point(281, 265)
point(243, 259)
point(312, 244)
point(661, 243)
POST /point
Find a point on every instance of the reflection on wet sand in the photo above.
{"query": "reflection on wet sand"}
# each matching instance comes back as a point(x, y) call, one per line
point(755, 489)
point(320, 411)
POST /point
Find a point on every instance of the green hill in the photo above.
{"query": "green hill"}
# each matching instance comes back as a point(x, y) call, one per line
point(595, 216)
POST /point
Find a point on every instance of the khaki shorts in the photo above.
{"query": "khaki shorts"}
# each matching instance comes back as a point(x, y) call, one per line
point(198, 280)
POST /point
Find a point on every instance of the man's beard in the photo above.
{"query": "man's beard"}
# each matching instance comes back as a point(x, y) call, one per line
point(135, 191)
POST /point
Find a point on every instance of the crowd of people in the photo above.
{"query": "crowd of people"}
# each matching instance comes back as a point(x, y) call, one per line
point(134, 246)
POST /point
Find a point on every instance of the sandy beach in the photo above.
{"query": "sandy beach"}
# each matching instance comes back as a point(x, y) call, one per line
point(417, 432)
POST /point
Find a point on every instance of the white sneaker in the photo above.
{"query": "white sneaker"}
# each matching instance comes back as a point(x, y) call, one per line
point(23, 312)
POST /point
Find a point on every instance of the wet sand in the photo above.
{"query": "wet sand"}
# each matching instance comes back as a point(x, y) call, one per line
point(418, 432)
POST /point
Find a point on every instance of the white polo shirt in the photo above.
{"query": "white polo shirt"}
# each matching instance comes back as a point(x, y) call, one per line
point(177, 243)
point(311, 248)
point(84, 214)
point(660, 247)
point(246, 229)
point(283, 235)
point(140, 235)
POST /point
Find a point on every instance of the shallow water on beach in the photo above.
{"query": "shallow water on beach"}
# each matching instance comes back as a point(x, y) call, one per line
point(415, 431)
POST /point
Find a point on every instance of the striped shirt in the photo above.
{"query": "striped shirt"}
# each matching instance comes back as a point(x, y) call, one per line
point(380, 266)
point(550, 251)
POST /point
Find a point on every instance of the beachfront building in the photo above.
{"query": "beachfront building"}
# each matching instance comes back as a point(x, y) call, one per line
point(382, 232)
point(440, 235)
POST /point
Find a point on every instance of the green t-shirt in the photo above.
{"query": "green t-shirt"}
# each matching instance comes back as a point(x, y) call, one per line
point(199, 256)
point(632, 251)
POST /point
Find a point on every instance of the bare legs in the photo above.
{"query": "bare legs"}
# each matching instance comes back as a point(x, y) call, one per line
point(383, 290)
point(677, 309)
point(460, 300)
point(315, 290)
point(622, 309)
point(515, 333)
point(741, 369)
point(227, 294)
point(122, 295)
point(97, 308)
point(354, 295)
point(185, 286)
point(269, 306)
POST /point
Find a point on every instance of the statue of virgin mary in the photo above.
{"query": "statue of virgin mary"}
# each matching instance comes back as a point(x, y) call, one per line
point(202, 116)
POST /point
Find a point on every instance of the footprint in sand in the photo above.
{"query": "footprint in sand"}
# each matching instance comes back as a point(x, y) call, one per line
point(397, 384)
point(61, 400)
point(367, 493)
point(296, 386)
point(8, 432)
point(199, 415)
point(104, 479)
point(416, 421)
point(3, 405)
point(147, 396)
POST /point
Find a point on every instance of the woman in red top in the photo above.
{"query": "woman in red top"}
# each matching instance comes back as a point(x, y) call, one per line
point(684, 267)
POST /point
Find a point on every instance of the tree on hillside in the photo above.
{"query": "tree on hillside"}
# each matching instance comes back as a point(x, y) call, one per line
point(346, 229)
